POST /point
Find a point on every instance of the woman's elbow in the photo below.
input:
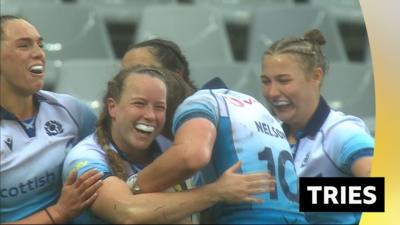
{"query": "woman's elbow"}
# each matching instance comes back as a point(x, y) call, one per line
point(198, 160)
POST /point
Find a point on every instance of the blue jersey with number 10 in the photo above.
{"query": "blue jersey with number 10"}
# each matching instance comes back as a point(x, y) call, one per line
point(246, 132)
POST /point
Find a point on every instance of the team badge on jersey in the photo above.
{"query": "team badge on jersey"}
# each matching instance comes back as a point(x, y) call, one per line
point(53, 127)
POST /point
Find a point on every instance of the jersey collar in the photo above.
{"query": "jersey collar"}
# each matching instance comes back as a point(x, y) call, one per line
point(6, 115)
point(154, 148)
point(215, 83)
point(315, 123)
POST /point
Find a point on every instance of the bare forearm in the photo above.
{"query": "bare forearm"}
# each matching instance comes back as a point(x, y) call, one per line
point(43, 217)
point(158, 207)
point(190, 152)
point(168, 170)
point(116, 204)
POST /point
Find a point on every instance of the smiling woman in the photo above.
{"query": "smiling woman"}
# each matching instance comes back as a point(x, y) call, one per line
point(38, 128)
point(324, 142)
point(136, 99)
point(124, 143)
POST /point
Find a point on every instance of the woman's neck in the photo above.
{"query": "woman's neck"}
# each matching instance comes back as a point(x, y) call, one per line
point(295, 127)
point(133, 156)
point(20, 105)
point(139, 157)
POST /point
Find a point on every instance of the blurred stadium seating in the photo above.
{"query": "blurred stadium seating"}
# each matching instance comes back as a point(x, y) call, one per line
point(202, 39)
point(237, 76)
point(70, 31)
point(273, 23)
point(86, 79)
point(84, 40)
point(349, 87)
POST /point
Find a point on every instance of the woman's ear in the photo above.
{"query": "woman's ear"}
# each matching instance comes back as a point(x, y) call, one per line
point(111, 107)
point(318, 75)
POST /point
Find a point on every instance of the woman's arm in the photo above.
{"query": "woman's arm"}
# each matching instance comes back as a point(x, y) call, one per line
point(362, 167)
point(116, 204)
point(76, 195)
point(191, 151)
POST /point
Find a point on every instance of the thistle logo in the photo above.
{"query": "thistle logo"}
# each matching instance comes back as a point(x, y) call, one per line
point(53, 127)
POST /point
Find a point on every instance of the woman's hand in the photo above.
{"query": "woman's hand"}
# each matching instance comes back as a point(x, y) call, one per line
point(238, 188)
point(76, 195)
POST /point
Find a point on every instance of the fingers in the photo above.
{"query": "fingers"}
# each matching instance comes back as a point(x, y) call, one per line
point(89, 194)
point(258, 176)
point(252, 200)
point(71, 177)
point(261, 190)
point(235, 167)
point(90, 200)
point(259, 183)
point(264, 182)
point(88, 178)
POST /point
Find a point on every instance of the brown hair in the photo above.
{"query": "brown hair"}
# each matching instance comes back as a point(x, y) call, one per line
point(180, 90)
point(169, 55)
point(307, 49)
point(103, 126)
point(3, 20)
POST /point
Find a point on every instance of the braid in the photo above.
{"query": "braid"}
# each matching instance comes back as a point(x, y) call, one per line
point(113, 158)
point(103, 126)
point(307, 49)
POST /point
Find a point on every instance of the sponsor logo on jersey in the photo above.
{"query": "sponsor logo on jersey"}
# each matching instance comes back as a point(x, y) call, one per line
point(80, 164)
point(53, 127)
point(240, 102)
point(9, 142)
point(29, 185)
point(305, 160)
point(6, 146)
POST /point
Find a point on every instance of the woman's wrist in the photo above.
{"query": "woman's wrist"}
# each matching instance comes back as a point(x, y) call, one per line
point(213, 192)
point(56, 214)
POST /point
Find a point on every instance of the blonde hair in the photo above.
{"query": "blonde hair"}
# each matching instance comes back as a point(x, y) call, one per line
point(307, 49)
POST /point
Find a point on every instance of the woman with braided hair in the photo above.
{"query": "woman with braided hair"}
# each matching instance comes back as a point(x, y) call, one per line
point(164, 54)
point(123, 144)
point(324, 142)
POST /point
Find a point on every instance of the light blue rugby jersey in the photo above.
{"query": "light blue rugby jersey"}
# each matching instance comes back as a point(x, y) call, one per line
point(328, 146)
point(246, 131)
point(31, 162)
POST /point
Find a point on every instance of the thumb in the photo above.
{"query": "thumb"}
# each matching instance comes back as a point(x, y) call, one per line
point(71, 177)
point(235, 167)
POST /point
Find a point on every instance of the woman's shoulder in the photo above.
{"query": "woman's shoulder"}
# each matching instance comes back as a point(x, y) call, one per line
point(86, 148)
point(340, 122)
point(345, 130)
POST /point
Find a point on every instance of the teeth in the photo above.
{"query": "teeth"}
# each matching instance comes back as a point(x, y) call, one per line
point(144, 128)
point(280, 103)
point(37, 69)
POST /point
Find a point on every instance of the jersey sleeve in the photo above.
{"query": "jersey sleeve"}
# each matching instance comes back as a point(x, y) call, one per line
point(84, 158)
point(87, 120)
point(349, 142)
point(200, 105)
point(80, 112)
